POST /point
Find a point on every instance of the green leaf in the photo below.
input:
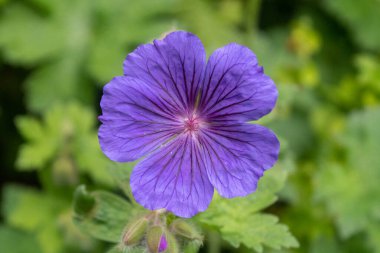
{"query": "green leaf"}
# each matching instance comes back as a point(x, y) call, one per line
point(191, 247)
point(361, 18)
point(45, 216)
point(31, 157)
point(91, 160)
point(342, 186)
point(107, 219)
point(33, 211)
point(70, 43)
point(121, 174)
point(373, 231)
point(324, 243)
point(15, 241)
point(21, 202)
point(50, 238)
point(139, 26)
point(335, 182)
point(240, 222)
point(83, 202)
point(121, 249)
point(115, 249)
point(30, 128)
point(59, 81)
point(258, 230)
point(211, 26)
point(39, 149)
point(26, 37)
point(66, 140)
point(369, 71)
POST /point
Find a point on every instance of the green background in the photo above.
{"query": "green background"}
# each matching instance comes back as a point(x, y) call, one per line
point(324, 55)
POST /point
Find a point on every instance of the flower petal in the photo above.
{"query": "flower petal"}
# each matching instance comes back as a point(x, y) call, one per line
point(174, 66)
point(237, 155)
point(235, 87)
point(174, 178)
point(134, 119)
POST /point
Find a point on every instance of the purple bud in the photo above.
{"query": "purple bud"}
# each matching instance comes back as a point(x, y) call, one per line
point(159, 239)
point(163, 244)
point(156, 239)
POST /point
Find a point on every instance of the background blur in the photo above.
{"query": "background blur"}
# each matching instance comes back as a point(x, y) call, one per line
point(55, 56)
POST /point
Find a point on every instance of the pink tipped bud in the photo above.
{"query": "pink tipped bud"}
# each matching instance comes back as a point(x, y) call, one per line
point(163, 244)
point(160, 240)
point(156, 239)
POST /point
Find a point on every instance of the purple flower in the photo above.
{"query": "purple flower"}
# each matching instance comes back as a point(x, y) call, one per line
point(188, 120)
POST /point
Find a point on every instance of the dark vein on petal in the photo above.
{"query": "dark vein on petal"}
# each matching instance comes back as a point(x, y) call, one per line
point(203, 95)
point(171, 76)
point(147, 71)
point(228, 149)
point(219, 99)
point(184, 78)
point(142, 107)
point(212, 165)
point(192, 83)
point(238, 140)
point(228, 106)
point(197, 155)
point(167, 112)
point(208, 98)
point(150, 167)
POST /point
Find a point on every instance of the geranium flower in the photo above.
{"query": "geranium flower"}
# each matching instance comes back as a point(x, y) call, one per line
point(187, 120)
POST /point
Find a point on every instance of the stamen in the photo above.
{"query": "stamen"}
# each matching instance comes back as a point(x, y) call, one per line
point(192, 123)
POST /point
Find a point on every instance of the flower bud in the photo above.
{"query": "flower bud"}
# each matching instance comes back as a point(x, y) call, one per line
point(84, 202)
point(156, 240)
point(64, 171)
point(135, 232)
point(185, 230)
point(163, 244)
point(172, 244)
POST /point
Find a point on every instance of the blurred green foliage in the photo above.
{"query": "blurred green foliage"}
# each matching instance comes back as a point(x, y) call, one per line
point(65, 142)
point(55, 56)
point(240, 222)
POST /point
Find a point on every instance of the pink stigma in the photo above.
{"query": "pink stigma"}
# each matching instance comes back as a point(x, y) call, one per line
point(191, 124)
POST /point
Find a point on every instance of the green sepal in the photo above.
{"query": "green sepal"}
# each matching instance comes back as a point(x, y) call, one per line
point(83, 201)
point(153, 238)
point(186, 230)
point(135, 232)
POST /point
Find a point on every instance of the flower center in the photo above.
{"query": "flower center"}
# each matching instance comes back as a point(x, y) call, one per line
point(192, 124)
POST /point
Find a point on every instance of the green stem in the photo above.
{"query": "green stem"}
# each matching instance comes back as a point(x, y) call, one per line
point(214, 242)
point(251, 11)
